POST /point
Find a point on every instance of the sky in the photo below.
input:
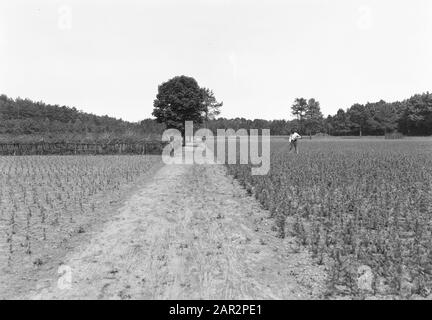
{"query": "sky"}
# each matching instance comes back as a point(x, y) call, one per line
point(108, 57)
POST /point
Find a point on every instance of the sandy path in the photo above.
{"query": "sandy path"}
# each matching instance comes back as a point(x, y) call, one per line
point(191, 233)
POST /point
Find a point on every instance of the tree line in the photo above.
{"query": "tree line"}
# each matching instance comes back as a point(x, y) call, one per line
point(181, 99)
point(412, 117)
point(24, 120)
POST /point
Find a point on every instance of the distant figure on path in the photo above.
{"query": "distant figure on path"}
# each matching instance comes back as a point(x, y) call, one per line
point(294, 136)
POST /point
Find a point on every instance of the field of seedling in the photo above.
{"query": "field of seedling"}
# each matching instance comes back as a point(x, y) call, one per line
point(358, 206)
point(363, 208)
point(45, 200)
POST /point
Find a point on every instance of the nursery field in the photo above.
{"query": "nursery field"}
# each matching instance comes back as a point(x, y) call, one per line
point(45, 200)
point(343, 218)
point(359, 206)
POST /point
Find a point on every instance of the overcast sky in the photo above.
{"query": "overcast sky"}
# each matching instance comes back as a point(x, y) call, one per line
point(108, 57)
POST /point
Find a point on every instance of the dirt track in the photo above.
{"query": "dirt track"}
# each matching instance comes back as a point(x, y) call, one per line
point(191, 233)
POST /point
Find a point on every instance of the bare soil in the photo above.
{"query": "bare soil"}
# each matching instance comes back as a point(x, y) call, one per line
point(191, 232)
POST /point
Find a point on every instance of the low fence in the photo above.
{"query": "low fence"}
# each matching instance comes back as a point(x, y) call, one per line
point(147, 147)
point(394, 136)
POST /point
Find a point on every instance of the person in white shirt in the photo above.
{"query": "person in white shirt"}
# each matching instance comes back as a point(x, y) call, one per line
point(294, 136)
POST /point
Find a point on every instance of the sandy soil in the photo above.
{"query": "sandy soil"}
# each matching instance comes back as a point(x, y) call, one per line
point(190, 233)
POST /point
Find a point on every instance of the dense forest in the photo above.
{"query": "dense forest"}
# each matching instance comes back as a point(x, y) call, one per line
point(409, 117)
point(26, 120)
point(22, 120)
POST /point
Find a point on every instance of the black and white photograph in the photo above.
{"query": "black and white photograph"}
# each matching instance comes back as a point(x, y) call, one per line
point(231, 151)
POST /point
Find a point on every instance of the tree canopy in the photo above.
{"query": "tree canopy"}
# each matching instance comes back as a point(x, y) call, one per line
point(308, 114)
point(412, 116)
point(181, 99)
